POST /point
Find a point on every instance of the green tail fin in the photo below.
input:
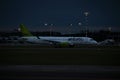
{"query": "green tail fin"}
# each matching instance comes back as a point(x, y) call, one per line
point(24, 30)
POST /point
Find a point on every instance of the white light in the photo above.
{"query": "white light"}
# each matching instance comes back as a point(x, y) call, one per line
point(19, 29)
point(45, 24)
point(51, 24)
point(71, 24)
point(86, 13)
point(109, 28)
point(79, 24)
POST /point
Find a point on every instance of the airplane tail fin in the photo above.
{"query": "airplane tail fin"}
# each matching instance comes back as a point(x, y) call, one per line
point(24, 30)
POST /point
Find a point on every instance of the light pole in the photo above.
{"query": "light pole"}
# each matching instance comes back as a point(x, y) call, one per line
point(79, 24)
point(86, 22)
point(70, 29)
point(51, 29)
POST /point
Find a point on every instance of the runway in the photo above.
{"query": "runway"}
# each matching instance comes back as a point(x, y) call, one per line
point(37, 55)
point(59, 72)
point(33, 62)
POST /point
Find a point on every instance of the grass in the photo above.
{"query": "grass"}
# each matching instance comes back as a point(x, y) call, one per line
point(35, 55)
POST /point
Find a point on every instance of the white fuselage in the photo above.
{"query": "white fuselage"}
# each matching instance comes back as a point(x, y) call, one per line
point(69, 40)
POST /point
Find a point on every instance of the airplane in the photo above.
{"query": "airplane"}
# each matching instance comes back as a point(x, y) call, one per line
point(69, 41)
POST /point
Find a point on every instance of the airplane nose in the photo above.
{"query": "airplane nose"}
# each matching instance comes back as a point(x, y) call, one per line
point(94, 42)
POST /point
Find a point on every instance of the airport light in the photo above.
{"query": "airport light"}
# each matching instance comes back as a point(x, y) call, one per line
point(79, 23)
point(51, 24)
point(19, 29)
point(109, 29)
point(71, 24)
point(86, 13)
point(45, 24)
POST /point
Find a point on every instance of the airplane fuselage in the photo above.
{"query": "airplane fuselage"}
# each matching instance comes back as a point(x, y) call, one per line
point(69, 40)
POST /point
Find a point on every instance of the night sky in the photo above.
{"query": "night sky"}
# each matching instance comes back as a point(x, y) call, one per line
point(61, 13)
